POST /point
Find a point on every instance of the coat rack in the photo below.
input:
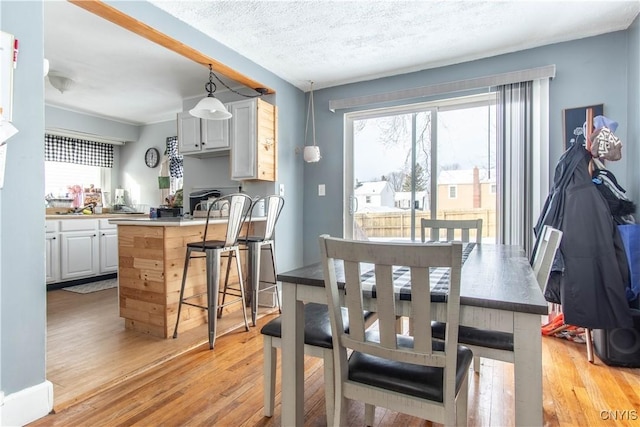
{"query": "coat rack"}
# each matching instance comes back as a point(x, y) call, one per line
point(587, 143)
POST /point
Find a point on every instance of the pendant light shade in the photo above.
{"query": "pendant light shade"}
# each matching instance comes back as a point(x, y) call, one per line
point(210, 108)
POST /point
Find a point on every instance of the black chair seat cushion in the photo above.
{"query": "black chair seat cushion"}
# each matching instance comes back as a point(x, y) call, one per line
point(251, 239)
point(317, 326)
point(477, 337)
point(415, 380)
point(209, 244)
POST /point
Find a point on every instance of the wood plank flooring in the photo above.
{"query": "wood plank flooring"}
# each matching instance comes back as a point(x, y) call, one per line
point(88, 348)
point(223, 387)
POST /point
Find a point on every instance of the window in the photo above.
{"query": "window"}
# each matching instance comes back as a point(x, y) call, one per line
point(493, 188)
point(453, 191)
point(59, 176)
point(440, 153)
point(368, 199)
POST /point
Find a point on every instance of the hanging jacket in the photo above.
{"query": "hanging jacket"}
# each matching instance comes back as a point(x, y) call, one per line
point(590, 272)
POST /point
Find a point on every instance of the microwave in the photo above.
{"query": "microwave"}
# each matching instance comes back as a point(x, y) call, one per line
point(168, 212)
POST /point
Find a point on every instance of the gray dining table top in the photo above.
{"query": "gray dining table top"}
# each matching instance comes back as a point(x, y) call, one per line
point(493, 276)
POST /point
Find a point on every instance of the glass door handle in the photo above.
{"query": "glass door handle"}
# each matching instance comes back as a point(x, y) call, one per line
point(353, 205)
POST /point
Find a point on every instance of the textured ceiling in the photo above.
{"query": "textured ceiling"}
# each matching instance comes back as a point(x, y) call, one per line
point(336, 42)
point(122, 76)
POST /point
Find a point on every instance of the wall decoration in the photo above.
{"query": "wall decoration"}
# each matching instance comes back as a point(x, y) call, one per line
point(572, 121)
point(8, 61)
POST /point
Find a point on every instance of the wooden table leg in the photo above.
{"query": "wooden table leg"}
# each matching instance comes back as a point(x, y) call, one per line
point(292, 357)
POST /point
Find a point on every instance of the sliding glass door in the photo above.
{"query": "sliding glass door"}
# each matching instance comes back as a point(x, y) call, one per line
point(433, 160)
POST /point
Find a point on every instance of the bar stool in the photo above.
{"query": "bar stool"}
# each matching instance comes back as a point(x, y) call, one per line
point(257, 243)
point(239, 210)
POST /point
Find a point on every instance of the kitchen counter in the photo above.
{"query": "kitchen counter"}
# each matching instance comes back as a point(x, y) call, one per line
point(166, 222)
point(151, 256)
point(97, 216)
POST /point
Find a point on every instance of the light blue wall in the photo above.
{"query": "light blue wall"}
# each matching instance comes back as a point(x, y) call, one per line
point(64, 119)
point(139, 181)
point(583, 77)
point(22, 284)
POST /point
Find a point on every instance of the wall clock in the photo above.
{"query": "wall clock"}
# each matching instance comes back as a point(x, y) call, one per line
point(152, 157)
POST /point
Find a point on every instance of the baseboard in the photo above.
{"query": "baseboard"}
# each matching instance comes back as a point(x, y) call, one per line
point(26, 406)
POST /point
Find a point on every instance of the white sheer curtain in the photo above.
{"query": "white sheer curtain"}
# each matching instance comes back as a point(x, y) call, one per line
point(523, 147)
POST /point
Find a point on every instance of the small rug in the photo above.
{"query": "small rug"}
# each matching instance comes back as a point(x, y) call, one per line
point(93, 286)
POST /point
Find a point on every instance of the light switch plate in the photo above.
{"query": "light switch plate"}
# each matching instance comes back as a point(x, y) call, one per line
point(321, 190)
point(282, 190)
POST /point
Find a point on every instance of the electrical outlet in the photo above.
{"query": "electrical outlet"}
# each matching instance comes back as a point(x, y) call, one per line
point(282, 190)
point(321, 190)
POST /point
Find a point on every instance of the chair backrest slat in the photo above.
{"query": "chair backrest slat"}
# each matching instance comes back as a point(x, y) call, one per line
point(239, 210)
point(451, 226)
point(273, 207)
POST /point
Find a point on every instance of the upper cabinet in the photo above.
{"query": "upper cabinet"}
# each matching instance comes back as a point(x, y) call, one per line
point(252, 134)
point(202, 138)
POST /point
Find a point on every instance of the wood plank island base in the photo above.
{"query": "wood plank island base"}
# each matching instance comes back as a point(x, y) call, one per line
point(151, 256)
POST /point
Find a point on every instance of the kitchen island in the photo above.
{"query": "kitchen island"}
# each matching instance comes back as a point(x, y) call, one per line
point(151, 256)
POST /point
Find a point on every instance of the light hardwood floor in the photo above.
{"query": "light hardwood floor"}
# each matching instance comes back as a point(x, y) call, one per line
point(223, 387)
point(89, 349)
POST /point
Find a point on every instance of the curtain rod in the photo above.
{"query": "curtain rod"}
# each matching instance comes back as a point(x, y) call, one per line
point(68, 133)
point(545, 72)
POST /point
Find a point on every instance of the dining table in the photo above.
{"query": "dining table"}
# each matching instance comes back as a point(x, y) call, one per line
point(499, 291)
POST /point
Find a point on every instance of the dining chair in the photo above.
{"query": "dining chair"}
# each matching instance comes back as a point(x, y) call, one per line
point(414, 375)
point(498, 345)
point(452, 228)
point(256, 243)
point(214, 250)
point(317, 343)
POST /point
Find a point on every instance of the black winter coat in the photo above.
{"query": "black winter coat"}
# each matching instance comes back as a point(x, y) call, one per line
point(591, 268)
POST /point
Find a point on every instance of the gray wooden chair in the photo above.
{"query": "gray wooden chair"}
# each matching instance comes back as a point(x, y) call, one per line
point(450, 230)
point(414, 375)
point(498, 345)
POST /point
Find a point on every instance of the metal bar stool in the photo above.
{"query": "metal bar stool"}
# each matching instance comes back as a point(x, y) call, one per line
point(239, 210)
point(264, 241)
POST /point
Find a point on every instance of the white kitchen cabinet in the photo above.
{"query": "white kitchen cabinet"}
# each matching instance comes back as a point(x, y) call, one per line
point(79, 254)
point(108, 247)
point(79, 248)
point(252, 135)
point(202, 138)
point(52, 252)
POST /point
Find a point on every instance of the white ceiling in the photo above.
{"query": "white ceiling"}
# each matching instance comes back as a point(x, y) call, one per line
point(122, 76)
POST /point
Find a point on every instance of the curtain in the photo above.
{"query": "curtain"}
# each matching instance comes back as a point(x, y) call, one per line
point(175, 159)
point(523, 154)
point(515, 154)
point(78, 151)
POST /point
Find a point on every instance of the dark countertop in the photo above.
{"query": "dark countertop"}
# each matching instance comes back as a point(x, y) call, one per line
point(493, 276)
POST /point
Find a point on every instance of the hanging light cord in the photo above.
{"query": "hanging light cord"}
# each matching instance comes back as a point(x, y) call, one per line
point(261, 91)
point(313, 119)
point(210, 86)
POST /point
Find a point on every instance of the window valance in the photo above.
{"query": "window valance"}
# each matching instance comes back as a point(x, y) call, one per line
point(78, 151)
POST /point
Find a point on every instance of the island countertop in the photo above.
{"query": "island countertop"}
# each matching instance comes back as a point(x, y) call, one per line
point(172, 222)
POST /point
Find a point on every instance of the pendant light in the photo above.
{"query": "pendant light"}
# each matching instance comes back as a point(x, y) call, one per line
point(311, 153)
point(210, 107)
